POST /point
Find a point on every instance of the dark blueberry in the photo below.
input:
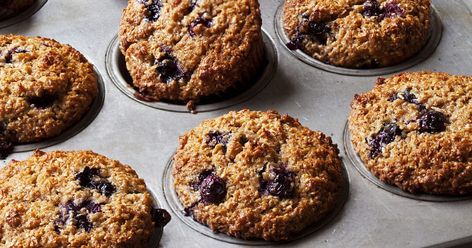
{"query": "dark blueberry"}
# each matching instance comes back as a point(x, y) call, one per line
point(90, 178)
point(262, 182)
point(85, 177)
point(193, 4)
point(104, 187)
point(153, 9)
point(410, 97)
point(319, 30)
point(9, 57)
point(43, 101)
point(168, 68)
point(204, 174)
point(392, 9)
point(384, 137)
point(82, 222)
point(213, 189)
point(214, 138)
point(432, 121)
point(201, 20)
point(372, 8)
point(9, 54)
point(160, 217)
point(6, 148)
point(72, 210)
point(281, 183)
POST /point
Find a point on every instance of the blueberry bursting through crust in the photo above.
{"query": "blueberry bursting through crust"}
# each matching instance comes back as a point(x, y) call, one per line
point(79, 213)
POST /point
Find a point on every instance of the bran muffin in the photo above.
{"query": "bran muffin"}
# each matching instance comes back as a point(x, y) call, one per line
point(75, 199)
point(358, 33)
point(45, 87)
point(10, 8)
point(257, 175)
point(181, 51)
point(414, 131)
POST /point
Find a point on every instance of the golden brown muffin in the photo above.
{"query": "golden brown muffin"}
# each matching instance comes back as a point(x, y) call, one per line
point(189, 50)
point(257, 175)
point(414, 130)
point(358, 33)
point(10, 8)
point(45, 87)
point(75, 199)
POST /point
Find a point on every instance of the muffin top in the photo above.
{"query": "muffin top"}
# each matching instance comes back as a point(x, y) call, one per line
point(73, 199)
point(186, 50)
point(414, 130)
point(45, 87)
point(358, 33)
point(256, 174)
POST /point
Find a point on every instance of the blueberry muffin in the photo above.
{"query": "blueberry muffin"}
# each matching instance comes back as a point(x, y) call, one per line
point(358, 33)
point(10, 8)
point(257, 175)
point(45, 87)
point(414, 130)
point(192, 50)
point(75, 199)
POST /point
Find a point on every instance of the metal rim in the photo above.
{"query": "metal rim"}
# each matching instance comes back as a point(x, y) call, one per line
point(422, 55)
point(23, 15)
point(70, 132)
point(362, 169)
point(173, 201)
point(116, 70)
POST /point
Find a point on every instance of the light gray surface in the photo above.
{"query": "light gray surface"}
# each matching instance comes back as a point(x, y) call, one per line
point(146, 137)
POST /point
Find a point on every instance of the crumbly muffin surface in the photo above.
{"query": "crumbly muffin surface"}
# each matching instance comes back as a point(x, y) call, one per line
point(192, 49)
point(73, 199)
point(9, 8)
point(414, 130)
point(257, 175)
point(358, 33)
point(45, 87)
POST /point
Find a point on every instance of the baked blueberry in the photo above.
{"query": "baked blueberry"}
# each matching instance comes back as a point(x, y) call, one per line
point(213, 190)
point(432, 121)
point(384, 137)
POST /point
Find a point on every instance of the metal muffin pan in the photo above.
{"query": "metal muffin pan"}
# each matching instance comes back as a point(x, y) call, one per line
point(361, 168)
point(176, 206)
point(70, 132)
point(27, 13)
point(145, 138)
point(428, 49)
point(116, 68)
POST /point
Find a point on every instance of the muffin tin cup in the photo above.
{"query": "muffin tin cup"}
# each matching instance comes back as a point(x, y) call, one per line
point(429, 48)
point(24, 14)
point(362, 169)
point(176, 206)
point(76, 128)
point(116, 69)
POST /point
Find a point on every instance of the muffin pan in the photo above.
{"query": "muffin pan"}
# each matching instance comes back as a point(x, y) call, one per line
point(116, 68)
point(177, 208)
point(75, 128)
point(145, 137)
point(428, 49)
point(23, 15)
